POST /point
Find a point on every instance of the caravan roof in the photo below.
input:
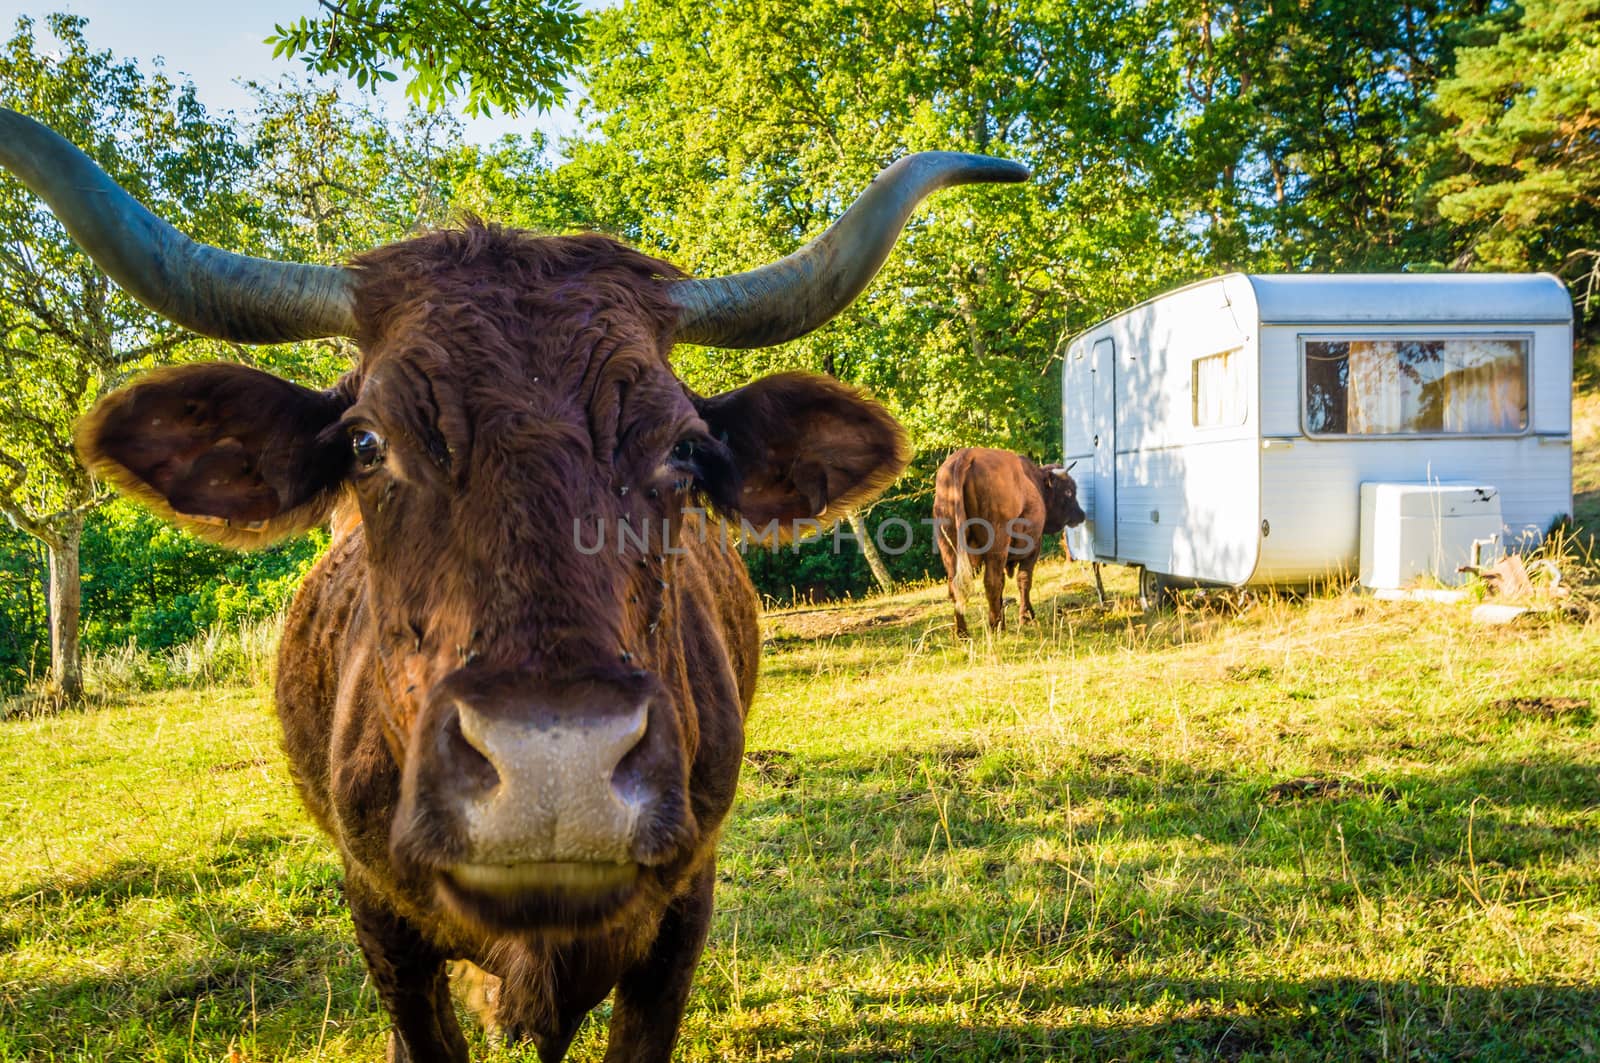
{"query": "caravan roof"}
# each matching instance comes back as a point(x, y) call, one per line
point(1397, 298)
point(1521, 298)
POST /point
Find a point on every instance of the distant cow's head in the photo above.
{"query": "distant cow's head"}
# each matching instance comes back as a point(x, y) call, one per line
point(1060, 491)
point(512, 405)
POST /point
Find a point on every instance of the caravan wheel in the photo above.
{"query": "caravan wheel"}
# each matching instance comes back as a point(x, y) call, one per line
point(1155, 593)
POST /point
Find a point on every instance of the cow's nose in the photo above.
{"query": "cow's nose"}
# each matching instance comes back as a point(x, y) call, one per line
point(540, 782)
point(587, 743)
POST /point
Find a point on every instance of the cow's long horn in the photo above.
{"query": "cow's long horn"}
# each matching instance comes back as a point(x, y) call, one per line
point(794, 295)
point(214, 292)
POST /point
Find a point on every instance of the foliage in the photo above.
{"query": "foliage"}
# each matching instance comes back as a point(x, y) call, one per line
point(149, 583)
point(24, 630)
point(721, 139)
point(145, 584)
point(1168, 142)
point(341, 178)
point(503, 54)
point(237, 653)
point(66, 333)
point(1522, 113)
point(1301, 124)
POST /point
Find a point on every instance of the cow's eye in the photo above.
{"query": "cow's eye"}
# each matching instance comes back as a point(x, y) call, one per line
point(367, 447)
point(684, 452)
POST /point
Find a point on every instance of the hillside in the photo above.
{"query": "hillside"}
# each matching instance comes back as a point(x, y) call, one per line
point(1337, 828)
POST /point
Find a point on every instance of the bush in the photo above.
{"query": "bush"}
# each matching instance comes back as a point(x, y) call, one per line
point(148, 582)
point(24, 630)
point(238, 655)
point(149, 585)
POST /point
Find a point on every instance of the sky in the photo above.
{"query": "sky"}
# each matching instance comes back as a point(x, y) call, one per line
point(217, 44)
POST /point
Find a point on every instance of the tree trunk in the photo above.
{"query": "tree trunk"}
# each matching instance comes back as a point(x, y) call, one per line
point(66, 596)
point(869, 550)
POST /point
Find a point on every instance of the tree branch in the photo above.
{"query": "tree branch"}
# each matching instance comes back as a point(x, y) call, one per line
point(14, 510)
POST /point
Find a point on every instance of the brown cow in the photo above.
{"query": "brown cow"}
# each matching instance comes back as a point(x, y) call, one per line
point(991, 511)
point(524, 747)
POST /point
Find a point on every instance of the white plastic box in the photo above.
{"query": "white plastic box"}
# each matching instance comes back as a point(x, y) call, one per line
point(1412, 530)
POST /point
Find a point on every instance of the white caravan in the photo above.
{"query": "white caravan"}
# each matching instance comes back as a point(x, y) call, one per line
point(1224, 430)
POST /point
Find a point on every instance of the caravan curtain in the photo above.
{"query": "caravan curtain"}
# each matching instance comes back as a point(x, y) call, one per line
point(1217, 389)
point(1394, 386)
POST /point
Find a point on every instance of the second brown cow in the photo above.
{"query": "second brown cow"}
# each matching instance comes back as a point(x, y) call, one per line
point(991, 512)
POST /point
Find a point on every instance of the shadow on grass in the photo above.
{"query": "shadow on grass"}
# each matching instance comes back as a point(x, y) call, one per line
point(1132, 856)
point(225, 866)
point(957, 860)
point(1173, 796)
point(249, 937)
point(1218, 1020)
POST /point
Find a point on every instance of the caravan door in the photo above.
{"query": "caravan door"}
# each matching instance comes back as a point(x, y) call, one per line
point(1103, 400)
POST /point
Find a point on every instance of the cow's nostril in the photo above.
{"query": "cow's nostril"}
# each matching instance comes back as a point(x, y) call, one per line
point(628, 778)
point(472, 762)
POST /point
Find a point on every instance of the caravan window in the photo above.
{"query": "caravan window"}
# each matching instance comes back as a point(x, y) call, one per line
point(1457, 385)
point(1217, 390)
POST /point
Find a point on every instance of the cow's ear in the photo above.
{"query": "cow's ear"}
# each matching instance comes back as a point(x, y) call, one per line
point(235, 455)
point(806, 447)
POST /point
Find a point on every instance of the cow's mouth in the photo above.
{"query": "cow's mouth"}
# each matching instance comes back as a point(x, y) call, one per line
point(566, 878)
point(545, 895)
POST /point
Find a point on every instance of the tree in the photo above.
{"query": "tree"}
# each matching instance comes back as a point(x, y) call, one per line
point(1301, 123)
point(1523, 138)
point(505, 54)
point(66, 333)
point(727, 133)
point(1168, 141)
point(339, 179)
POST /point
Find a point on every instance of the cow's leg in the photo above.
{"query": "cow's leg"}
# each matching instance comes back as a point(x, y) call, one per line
point(994, 589)
point(1024, 592)
point(1025, 586)
point(952, 573)
point(649, 1003)
point(959, 597)
point(410, 977)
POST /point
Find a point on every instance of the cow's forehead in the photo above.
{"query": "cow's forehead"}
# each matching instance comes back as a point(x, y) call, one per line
point(488, 326)
point(452, 395)
point(516, 295)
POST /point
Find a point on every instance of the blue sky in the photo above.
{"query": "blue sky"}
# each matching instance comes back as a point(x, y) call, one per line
point(216, 43)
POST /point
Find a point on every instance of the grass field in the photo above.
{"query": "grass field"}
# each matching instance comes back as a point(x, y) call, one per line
point(1331, 829)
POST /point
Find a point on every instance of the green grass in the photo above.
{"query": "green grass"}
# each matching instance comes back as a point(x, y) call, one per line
point(1322, 830)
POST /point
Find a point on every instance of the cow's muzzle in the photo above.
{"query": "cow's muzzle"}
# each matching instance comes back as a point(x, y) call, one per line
point(531, 801)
